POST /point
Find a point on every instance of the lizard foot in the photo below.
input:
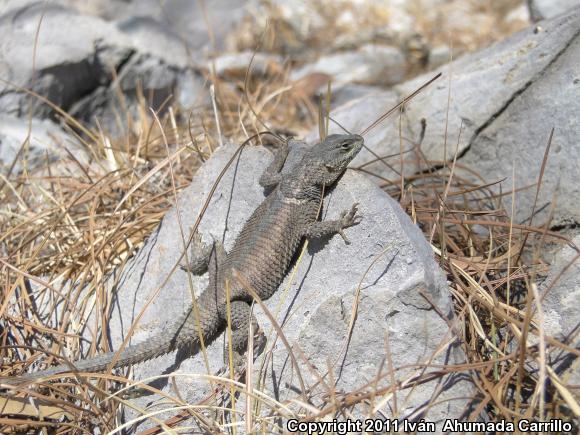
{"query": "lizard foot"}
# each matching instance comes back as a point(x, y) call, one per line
point(240, 359)
point(348, 218)
point(278, 146)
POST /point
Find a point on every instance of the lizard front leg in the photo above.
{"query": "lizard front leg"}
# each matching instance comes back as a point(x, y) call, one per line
point(348, 218)
point(271, 175)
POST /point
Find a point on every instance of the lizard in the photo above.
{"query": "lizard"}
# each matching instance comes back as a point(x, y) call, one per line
point(262, 252)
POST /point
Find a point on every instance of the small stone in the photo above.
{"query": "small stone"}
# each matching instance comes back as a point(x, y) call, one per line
point(236, 64)
point(439, 55)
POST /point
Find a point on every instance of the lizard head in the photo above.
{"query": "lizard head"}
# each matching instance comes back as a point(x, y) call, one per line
point(330, 157)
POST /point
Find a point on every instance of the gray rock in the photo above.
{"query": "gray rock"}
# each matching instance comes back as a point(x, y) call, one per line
point(561, 293)
point(8, 5)
point(351, 91)
point(47, 141)
point(74, 56)
point(520, 13)
point(542, 9)
point(191, 90)
point(75, 61)
point(439, 55)
point(520, 133)
point(184, 18)
point(149, 36)
point(93, 7)
point(315, 309)
point(507, 98)
point(149, 76)
point(371, 64)
point(175, 29)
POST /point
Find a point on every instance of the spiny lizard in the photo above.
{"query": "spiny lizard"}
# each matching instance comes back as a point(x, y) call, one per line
point(262, 253)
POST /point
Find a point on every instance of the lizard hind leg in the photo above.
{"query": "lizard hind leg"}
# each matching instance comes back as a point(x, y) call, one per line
point(243, 322)
point(271, 175)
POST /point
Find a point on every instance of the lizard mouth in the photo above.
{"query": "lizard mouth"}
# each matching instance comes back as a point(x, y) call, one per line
point(355, 147)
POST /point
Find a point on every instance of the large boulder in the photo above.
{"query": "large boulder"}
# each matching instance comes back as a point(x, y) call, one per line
point(506, 99)
point(387, 274)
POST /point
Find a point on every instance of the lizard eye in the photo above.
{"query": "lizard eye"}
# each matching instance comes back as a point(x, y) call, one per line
point(345, 146)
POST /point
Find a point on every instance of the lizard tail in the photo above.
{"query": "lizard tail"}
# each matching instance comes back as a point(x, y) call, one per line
point(184, 334)
point(152, 348)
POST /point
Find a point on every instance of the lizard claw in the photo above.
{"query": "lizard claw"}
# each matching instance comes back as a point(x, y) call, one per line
point(349, 218)
point(341, 233)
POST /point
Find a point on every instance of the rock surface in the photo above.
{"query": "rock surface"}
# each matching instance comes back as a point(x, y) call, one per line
point(181, 18)
point(235, 65)
point(506, 98)
point(187, 19)
point(315, 310)
point(73, 57)
point(78, 57)
point(561, 293)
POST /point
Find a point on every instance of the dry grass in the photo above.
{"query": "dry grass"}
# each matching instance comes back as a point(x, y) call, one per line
point(66, 228)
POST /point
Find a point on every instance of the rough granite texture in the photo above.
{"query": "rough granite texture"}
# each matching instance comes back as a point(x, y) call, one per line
point(316, 308)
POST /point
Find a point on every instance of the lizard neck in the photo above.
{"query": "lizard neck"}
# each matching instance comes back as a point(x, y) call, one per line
point(303, 182)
